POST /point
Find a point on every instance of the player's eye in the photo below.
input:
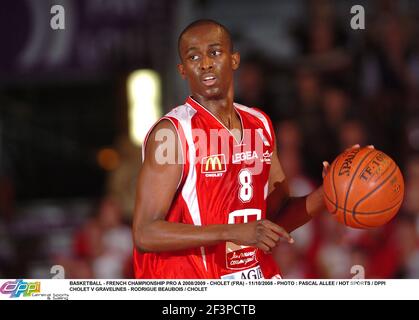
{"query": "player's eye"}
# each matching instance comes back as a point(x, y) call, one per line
point(193, 57)
point(216, 52)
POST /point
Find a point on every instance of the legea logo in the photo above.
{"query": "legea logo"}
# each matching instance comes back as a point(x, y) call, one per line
point(20, 287)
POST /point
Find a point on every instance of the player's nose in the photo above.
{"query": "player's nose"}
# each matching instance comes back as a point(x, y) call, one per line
point(206, 63)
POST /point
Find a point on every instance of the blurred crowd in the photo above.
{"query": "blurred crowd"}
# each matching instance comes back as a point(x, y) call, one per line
point(342, 88)
point(77, 238)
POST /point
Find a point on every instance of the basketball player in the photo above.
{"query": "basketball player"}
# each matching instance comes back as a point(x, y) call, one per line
point(218, 212)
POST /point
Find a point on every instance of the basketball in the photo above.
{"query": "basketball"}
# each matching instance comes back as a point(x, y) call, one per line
point(364, 188)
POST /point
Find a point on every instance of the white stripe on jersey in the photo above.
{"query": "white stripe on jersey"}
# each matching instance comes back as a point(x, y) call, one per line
point(184, 115)
point(257, 114)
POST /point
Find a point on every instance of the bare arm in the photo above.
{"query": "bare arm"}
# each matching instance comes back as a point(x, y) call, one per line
point(290, 212)
point(156, 188)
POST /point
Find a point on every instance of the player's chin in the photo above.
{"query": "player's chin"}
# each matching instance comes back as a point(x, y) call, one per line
point(212, 93)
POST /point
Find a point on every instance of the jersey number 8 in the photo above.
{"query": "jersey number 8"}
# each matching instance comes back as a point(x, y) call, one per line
point(246, 188)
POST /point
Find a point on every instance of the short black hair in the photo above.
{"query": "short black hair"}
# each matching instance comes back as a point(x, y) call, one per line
point(201, 22)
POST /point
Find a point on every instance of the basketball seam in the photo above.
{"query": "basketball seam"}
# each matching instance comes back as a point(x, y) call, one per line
point(371, 192)
point(333, 187)
point(368, 226)
point(376, 188)
point(371, 212)
point(350, 184)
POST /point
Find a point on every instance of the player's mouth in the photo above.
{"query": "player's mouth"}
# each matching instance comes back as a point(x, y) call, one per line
point(209, 80)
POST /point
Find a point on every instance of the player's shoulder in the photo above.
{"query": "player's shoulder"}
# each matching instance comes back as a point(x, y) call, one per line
point(173, 124)
point(253, 111)
point(175, 118)
point(181, 113)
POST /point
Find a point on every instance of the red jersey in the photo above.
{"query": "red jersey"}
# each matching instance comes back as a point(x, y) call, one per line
point(224, 181)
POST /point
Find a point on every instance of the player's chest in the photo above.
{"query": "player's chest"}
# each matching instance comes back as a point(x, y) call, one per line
point(220, 155)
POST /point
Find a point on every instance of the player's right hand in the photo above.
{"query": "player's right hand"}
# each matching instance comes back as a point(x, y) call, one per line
point(262, 234)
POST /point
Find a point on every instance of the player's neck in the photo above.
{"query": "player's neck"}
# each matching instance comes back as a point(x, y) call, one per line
point(222, 108)
point(224, 111)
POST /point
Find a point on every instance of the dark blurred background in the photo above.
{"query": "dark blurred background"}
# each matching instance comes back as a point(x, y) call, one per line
point(75, 104)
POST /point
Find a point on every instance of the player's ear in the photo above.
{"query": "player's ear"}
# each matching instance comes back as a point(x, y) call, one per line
point(235, 60)
point(181, 70)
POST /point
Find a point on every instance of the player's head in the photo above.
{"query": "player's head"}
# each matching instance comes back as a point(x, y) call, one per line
point(207, 59)
point(205, 22)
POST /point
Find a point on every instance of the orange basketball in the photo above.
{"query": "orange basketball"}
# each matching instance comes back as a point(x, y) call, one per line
point(364, 188)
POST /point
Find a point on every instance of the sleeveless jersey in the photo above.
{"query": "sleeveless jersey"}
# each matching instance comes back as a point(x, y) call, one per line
point(224, 181)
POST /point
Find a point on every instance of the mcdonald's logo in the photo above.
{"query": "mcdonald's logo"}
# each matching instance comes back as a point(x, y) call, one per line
point(213, 164)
